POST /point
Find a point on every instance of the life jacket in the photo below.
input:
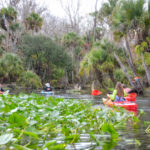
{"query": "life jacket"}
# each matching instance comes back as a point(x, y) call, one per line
point(119, 99)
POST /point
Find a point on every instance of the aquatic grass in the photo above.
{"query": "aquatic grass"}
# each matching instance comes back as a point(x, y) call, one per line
point(36, 122)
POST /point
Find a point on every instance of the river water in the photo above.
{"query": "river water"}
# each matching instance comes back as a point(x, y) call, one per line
point(138, 132)
point(126, 142)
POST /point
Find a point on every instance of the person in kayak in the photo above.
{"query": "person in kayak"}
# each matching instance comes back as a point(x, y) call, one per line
point(1, 89)
point(126, 89)
point(48, 87)
point(118, 93)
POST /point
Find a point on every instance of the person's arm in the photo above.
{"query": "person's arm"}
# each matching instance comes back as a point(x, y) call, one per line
point(112, 97)
point(125, 93)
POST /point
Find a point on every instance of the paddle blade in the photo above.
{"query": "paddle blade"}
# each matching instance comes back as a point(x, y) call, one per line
point(96, 92)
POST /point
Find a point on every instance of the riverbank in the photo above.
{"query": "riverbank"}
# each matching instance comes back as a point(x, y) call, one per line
point(14, 88)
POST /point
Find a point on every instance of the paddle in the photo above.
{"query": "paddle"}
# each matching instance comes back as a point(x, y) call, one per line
point(96, 92)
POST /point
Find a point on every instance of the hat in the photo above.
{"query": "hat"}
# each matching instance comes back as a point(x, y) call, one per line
point(47, 85)
point(136, 78)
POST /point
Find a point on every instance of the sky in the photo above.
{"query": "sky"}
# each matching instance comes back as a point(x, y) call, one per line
point(55, 8)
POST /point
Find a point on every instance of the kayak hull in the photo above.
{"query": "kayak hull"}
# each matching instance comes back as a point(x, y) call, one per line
point(47, 92)
point(131, 97)
point(131, 106)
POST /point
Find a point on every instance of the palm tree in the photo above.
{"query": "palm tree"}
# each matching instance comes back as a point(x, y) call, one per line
point(101, 60)
point(91, 62)
point(105, 13)
point(8, 22)
point(74, 44)
point(140, 51)
point(7, 15)
point(33, 22)
point(125, 18)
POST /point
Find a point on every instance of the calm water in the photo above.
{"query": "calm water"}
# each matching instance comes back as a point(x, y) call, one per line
point(125, 143)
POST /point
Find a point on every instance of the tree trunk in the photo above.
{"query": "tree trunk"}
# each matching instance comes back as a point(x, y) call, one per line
point(95, 21)
point(99, 77)
point(112, 77)
point(139, 85)
point(146, 69)
point(130, 59)
point(124, 69)
point(130, 63)
point(72, 53)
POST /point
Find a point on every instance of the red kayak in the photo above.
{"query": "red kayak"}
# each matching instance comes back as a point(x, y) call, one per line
point(131, 106)
point(96, 92)
point(131, 97)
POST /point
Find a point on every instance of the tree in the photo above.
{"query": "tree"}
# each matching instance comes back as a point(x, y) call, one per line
point(34, 22)
point(91, 62)
point(11, 67)
point(125, 17)
point(9, 24)
point(74, 44)
point(43, 55)
point(101, 60)
point(140, 49)
point(72, 10)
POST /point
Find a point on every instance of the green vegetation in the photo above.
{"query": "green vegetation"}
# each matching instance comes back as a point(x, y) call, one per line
point(30, 80)
point(11, 67)
point(43, 55)
point(115, 47)
point(34, 22)
point(34, 122)
point(101, 60)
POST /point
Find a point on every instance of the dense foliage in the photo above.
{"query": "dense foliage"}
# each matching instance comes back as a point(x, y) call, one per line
point(29, 79)
point(123, 24)
point(34, 122)
point(43, 55)
point(11, 67)
point(101, 60)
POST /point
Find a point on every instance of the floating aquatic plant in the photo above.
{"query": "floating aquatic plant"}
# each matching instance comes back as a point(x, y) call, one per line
point(35, 122)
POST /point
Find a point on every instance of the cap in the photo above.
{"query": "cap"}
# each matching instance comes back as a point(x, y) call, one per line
point(47, 84)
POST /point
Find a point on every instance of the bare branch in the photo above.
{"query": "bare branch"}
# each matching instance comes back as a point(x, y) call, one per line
point(72, 10)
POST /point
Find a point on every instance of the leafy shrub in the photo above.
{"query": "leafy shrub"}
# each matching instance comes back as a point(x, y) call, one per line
point(29, 79)
point(119, 76)
point(10, 67)
point(58, 73)
point(108, 83)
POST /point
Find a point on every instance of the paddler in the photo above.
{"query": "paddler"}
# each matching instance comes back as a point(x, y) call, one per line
point(48, 87)
point(1, 89)
point(118, 94)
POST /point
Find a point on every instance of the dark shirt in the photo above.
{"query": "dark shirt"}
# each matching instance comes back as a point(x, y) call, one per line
point(48, 89)
point(1, 89)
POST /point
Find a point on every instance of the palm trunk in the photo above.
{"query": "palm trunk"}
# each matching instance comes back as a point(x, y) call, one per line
point(146, 69)
point(95, 21)
point(72, 53)
point(99, 77)
point(124, 69)
point(130, 63)
point(130, 59)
